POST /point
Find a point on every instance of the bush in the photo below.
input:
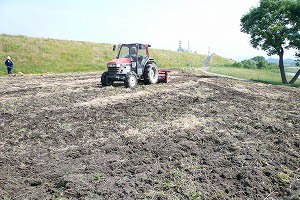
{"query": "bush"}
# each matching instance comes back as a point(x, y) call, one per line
point(249, 64)
point(261, 62)
point(237, 64)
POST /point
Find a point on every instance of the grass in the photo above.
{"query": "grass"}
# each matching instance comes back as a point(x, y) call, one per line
point(177, 180)
point(287, 70)
point(38, 56)
point(220, 61)
point(291, 69)
point(98, 178)
point(173, 59)
point(264, 76)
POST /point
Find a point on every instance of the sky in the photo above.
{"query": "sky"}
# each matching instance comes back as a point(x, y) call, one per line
point(161, 23)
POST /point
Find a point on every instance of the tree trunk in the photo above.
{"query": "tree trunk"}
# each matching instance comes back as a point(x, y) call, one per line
point(295, 77)
point(281, 66)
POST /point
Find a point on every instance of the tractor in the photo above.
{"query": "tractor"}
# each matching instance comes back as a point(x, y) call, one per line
point(133, 64)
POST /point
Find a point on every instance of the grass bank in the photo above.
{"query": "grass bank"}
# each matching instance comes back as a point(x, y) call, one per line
point(264, 76)
point(37, 56)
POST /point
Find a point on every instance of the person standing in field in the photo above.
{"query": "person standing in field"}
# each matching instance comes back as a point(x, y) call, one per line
point(9, 64)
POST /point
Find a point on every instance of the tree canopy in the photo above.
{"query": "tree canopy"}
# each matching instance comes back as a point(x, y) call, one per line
point(274, 26)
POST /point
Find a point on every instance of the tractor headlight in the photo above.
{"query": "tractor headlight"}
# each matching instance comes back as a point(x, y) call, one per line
point(111, 65)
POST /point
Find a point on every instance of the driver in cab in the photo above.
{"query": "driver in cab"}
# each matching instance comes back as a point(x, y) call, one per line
point(133, 54)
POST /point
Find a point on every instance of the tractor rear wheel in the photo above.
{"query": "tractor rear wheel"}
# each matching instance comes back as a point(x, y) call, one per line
point(151, 74)
point(131, 80)
point(105, 81)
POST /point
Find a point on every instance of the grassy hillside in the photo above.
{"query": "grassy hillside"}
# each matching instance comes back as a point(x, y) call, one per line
point(35, 55)
point(220, 61)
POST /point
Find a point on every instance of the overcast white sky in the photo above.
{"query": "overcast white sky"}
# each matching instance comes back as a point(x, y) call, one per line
point(162, 23)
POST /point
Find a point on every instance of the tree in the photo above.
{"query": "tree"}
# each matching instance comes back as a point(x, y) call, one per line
point(249, 64)
point(274, 26)
point(298, 61)
point(261, 62)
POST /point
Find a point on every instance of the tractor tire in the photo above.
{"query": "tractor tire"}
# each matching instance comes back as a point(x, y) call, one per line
point(105, 81)
point(151, 74)
point(131, 80)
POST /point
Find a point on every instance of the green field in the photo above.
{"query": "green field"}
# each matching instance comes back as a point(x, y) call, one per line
point(37, 56)
point(266, 76)
point(291, 69)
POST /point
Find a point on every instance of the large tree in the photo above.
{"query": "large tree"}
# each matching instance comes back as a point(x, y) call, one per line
point(275, 26)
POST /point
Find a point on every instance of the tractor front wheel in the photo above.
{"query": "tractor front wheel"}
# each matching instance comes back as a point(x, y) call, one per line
point(131, 80)
point(105, 81)
point(151, 74)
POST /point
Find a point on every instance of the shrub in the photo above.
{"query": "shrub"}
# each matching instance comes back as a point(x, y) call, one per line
point(249, 64)
point(261, 62)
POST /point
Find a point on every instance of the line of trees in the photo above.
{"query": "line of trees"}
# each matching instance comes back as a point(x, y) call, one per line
point(258, 62)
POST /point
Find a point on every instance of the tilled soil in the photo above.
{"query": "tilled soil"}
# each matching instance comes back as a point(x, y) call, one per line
point(197, 137)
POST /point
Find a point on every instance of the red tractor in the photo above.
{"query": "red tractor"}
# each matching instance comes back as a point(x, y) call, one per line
point(132, 64)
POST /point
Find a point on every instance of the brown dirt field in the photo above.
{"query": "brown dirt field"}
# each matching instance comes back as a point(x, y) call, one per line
point(197, 137)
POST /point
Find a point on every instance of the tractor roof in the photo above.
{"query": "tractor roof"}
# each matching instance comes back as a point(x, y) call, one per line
point(137, 44)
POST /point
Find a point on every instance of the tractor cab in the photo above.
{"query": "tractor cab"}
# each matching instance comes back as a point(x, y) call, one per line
point(134, 54)
point(132, 64)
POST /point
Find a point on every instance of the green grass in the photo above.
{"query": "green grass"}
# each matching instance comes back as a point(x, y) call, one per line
point(173, 59)
point(265, 76)
point(287, 70)
point(291, 69)
point(37, 56)
point(220, 61)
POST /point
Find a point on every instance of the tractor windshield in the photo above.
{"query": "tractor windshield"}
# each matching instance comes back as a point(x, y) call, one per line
point(124, 52)
point(128, 51)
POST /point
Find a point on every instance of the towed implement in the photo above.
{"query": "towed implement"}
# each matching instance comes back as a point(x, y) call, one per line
point(133, 64)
